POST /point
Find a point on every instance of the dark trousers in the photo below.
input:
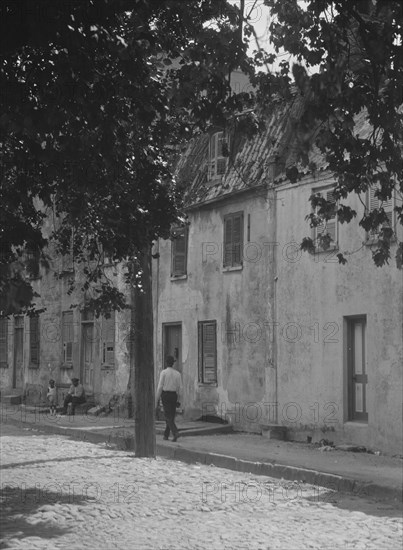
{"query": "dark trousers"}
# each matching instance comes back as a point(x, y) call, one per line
point(73, 400)
point(169, 399)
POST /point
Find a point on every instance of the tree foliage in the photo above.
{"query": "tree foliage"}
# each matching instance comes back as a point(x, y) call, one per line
point(348, 60)
point(97, 96)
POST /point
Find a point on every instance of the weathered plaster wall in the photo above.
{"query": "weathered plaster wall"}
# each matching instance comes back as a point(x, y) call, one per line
point(314, 295)
point(237, 300)
point(54, 298)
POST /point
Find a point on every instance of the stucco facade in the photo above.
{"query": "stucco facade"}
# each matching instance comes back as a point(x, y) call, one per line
point(65, 342)
point(302, 341)
point(316, 299)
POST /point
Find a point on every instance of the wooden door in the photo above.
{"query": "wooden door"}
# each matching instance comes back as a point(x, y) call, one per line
point(357, 376)
point(88, 355)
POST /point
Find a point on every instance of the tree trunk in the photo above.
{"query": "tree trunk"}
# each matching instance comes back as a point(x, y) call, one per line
point(142, 361)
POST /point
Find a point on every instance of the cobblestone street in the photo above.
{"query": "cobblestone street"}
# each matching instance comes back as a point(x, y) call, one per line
point(59, 493)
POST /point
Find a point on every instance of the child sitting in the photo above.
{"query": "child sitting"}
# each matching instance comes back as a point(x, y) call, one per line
point(51, 395)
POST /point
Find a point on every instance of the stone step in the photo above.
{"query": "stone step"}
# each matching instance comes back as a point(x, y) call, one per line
point(15, 399)
point(274, 431)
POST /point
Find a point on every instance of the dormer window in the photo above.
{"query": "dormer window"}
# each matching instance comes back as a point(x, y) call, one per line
point(217, 155)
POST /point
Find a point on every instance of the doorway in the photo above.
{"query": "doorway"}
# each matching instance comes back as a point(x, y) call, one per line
point(172, 343)
point(89, 351)
point(357, 378)
point(18, 362)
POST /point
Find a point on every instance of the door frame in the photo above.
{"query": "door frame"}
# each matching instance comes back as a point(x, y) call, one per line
point(349, 395)
point(22, 330)
point(166, 326)
point(95, 352)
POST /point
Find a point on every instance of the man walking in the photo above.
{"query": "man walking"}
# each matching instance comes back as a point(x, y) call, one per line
point(169, 388)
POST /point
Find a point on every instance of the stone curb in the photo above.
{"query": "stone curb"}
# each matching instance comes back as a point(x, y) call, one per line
point(290, 473)
point(170, 451)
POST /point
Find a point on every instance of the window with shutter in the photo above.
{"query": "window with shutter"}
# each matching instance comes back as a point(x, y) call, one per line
point(217, 159)
point(373, 202)
point(67, 336)
point(179, 252)
point(3, 342)
point(328, 227)
point(233, 239)
point(208, 352)
point(108, 341)
point(34, 340)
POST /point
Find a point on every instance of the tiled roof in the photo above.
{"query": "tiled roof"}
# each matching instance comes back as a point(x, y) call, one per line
point(252, 164)
point(260, 160)
point(362, 128)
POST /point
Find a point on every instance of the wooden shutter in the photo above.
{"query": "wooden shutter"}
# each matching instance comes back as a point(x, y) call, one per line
point(221, 161)
point(200, 351)
point(233, 239)
point(237, 239)
point(331, 224)
point(34, 340)
point(375, 203)
point(228, 241)
point(67, 336)
point(3, 342)
point(179, 253)
point(328, 226)
point(108, 341)
point(207, 352)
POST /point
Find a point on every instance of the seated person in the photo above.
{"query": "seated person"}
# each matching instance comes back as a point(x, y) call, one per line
point(75, 396)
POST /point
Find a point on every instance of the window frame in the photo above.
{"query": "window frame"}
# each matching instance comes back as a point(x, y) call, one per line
point(34, 341)
point(216, 158)
point(372, 236)
point(177, 273)
point(202, 330)
point(234, 262)
point(334, 245)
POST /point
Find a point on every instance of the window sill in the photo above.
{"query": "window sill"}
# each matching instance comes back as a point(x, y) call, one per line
point(356, 424)
point(330, 249)
point(373, 241)
point(179, 277)
point(233, 268)
point(66, 366)
point(207, 384)
point(33, 366)
point(107, 367)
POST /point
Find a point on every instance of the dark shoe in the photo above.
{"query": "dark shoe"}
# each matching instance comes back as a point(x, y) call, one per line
point(166, 438)
point(175, 437)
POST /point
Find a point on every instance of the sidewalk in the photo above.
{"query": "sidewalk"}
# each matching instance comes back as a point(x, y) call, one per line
point(362, 474)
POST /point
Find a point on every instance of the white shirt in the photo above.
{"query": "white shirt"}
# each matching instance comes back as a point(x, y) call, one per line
point(170, 380)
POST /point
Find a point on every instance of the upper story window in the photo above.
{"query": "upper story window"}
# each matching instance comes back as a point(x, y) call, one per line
point(179, 240)
point(233, 239)
point(325, 235)
point(374, 202)
point(217, 155)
